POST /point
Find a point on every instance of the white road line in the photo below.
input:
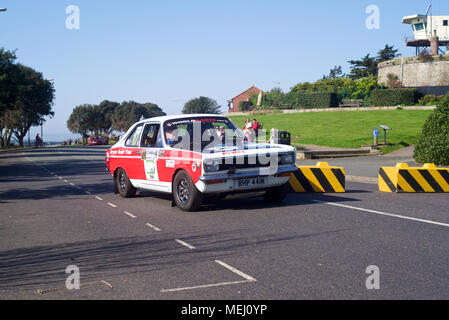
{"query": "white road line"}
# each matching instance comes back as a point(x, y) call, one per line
point(129, 214)
point(98, 198)
point(112, 205)
point(185, 244)
point(204, 286)
point(60, 178)
point(65, 181)
point(87, 192)
point(383, 213)
point(72, 184)
point(240, 273)
point(153, 227)
point(79, 188)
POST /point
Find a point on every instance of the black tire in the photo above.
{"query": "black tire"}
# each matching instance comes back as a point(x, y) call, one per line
point(277, 194)
point(124, 186)
point(185, 194)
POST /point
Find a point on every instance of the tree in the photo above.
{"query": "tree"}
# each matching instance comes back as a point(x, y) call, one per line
point(107, 109)
point(80, 120)
point(201, 105)
point(386, 54)
point(8, 93)
point(129, 112)
point(363, 68)
point(33, 103)
point(8, 76)
point(334, 73)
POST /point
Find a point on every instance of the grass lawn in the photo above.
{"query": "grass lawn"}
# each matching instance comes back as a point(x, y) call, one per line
point(347, 129)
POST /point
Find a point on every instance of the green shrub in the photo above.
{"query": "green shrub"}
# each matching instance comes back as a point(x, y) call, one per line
point(394, 97)
point(433, 144)
point(317, 100)
point(245, 105)
point(430, 100)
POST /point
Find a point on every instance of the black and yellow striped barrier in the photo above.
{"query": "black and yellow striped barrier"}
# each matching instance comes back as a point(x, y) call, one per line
point(318, 179)
point(402, 178)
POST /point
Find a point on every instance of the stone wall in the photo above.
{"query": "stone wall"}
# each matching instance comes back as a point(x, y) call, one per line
point(417, 73)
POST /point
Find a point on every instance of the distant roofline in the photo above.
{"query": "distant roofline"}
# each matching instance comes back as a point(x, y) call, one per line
point(408, 19)
point(245, 91)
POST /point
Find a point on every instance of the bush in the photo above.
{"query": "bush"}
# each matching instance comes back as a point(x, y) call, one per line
point(245, 105)
point(394, 97)
point(433, 144)
point(430, 100)
point(318, 100)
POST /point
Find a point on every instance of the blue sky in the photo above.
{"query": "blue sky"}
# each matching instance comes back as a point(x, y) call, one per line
point(168, 52)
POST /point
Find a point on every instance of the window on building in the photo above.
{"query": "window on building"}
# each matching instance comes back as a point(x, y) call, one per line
point(445, 22)
point(419, 26)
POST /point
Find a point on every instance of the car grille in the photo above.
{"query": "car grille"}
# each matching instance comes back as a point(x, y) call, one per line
point(236, 163)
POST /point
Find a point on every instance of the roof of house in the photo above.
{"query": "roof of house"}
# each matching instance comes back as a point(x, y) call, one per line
point(253, 87)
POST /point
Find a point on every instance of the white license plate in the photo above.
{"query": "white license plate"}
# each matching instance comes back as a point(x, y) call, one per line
point(250, 182)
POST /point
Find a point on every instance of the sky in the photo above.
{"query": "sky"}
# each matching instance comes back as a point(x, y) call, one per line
point(167, 52)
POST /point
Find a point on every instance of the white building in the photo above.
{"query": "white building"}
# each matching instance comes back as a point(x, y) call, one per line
point(426, 27)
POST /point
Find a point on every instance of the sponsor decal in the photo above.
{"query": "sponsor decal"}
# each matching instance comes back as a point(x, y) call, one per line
point(170, 163)
point(151, 169)
point(196, 165)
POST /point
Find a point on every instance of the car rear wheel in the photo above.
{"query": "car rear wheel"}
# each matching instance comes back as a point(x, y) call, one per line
point(186, 195)
point(124, 186)
point(277, 194)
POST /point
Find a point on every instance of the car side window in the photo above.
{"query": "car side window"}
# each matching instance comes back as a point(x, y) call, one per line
point(133, 139)
point(150, 136)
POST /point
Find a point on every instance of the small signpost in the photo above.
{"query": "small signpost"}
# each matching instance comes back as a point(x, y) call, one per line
point(386, 128)
point(376, 136)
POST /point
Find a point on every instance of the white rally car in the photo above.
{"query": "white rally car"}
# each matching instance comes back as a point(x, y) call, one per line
point(195, 156)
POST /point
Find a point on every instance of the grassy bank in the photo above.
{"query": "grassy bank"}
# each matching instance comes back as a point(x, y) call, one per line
point(347, 129)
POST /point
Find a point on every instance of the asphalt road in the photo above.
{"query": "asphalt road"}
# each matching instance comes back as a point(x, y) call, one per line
point(57, 209)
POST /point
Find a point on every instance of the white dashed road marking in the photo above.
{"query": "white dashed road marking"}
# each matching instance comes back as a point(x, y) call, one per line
point(98, 198)
point(112, 205)
point(153, 227)
point(240, 273)
point(129, 214)
point(185, 244)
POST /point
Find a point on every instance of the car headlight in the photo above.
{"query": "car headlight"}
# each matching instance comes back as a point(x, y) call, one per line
point(286, 158)
point(212, 166)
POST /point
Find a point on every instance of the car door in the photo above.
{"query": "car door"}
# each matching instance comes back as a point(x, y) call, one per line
point(132, 155)
point(152, 152)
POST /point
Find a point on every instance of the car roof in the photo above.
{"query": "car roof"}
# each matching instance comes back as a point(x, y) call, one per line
point(180, 116)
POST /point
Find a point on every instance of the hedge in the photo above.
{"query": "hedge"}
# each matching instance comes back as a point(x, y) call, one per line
point(245, 105)
point(395, 97)
point(433, 144)
point(317, 100)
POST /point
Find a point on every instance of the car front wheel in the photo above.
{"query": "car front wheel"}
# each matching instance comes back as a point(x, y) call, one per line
point(186, 195)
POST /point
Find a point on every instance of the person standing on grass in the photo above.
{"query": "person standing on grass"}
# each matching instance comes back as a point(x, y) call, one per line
point(248, 130)
point(273, 136)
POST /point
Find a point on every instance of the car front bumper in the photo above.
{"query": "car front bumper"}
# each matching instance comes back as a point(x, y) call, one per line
point(225, 182)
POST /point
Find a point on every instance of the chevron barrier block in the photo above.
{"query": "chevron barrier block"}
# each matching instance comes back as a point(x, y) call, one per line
point(404, 179)
point(321, 178)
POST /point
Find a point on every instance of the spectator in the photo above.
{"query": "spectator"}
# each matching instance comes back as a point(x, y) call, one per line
point(38, 140)
point(255, 125)
point(248, 130)
point(273, 136)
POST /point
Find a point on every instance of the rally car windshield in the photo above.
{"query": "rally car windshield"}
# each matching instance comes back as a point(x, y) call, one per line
point(201, 133)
